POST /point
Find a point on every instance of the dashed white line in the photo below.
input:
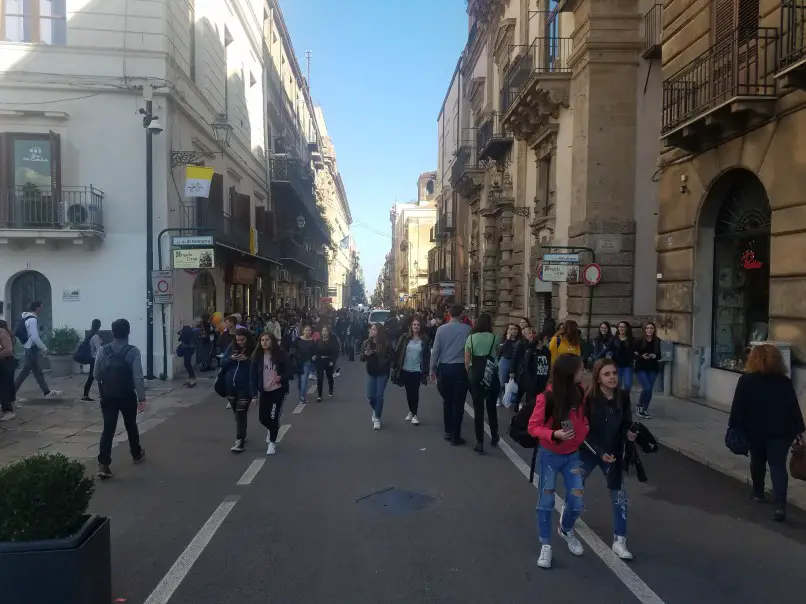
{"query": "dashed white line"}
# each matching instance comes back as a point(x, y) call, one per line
point(283, 431)
point(625, 574)
point(251, 472)
point(171, 581)
point(299, 408)
point(311, 388)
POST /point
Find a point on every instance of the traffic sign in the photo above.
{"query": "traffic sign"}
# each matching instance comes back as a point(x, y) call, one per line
point(202, 241)
point(592, 274)
point(162, 285)
point(561, 258)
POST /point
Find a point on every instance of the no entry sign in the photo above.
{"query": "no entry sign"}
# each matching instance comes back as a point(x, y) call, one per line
point(162, 284)
point(592, 274)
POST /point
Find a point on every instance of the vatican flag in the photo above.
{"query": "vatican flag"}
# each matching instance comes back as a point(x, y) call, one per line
point(197, 181)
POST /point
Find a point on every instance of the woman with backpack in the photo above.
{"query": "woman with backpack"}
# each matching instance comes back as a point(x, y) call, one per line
point(412, 362)
point(94, 342)
point(269, 376)
point(767, 414)
point(481, 362)
point(560, 425)
point(610, 420)
point(236, 367)
point(378, 355)
point(622, 352)
point(647, 364)
point(566, 340)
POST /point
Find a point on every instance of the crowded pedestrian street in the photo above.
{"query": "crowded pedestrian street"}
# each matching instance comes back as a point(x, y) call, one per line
point(346, 514)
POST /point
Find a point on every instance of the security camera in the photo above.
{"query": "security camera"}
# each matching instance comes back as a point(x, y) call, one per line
point(155, 127)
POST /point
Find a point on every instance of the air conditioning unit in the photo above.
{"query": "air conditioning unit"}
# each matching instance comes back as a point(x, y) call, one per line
point(284, 275)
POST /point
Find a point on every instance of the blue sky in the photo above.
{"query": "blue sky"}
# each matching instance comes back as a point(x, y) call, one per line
point(380, 71)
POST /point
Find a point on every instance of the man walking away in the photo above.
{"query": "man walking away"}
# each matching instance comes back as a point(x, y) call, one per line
point(27, 333)
point(448, 369)
point(120, 379)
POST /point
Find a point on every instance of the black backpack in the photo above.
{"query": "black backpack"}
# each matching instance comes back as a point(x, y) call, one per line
point(83, 354)
point(117, 381)
point(21, 331)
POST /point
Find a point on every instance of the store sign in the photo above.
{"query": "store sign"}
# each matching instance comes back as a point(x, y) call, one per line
point(243, 275)
point(193, 258)
point(560, 272)
point(561, 258)
point(200, 241)
point(447, 289)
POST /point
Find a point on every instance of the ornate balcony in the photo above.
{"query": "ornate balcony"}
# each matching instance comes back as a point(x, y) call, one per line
point(653, 32)
point(792, 45)
point(292, 180)
point(494, 139)
point(722, 92)
point(467, 174)
point(228, 231)
point(536, 85)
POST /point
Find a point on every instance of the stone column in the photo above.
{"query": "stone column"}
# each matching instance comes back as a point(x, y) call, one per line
point(603, 90)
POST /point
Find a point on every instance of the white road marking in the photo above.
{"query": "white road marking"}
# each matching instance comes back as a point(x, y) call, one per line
point(171, 581)
point(283, 431)
point(625, 574)
point(251, 472)
point(299, 408)
point(311, 388)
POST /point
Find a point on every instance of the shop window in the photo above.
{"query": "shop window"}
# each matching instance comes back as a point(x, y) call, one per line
point(204, 295)
point(741, 273)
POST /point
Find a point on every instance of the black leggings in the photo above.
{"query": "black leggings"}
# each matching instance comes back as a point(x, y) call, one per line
point(411, 382)
point(240, 401)
point(90, 378)
point(8, 394)
point(269, 410)
point(188, 359)
point(772, 452)
point(485, 398)
point(322, 369)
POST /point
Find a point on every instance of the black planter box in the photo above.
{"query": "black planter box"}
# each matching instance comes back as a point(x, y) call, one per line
point(73, 570)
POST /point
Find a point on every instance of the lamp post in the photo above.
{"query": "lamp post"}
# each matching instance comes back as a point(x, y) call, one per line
point(152, 127)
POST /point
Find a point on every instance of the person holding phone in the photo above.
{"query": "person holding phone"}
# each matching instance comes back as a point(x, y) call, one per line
point(647, 364)
point(560, 424)
point(610, 419)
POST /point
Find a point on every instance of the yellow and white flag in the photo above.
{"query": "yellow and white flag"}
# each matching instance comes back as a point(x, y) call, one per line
point(197, 181)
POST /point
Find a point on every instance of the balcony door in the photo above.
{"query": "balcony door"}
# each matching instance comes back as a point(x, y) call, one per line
point(30, 180)
point(735, 48)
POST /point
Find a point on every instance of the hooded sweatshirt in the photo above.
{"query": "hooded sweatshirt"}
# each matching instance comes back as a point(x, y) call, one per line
point(543, 431)
point(32, 326)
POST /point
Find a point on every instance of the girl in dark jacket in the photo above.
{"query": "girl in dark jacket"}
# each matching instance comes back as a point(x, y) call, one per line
point(622, 352)
point(236, 366)
point(187, 341)
point(610, 419)
point(602, 342)
point(378, 355)
point(270, 375)
point(647, 364)
point(413, 360)
point(303, 350)
point(506, 356)
point(324, 358)
point(766, 411)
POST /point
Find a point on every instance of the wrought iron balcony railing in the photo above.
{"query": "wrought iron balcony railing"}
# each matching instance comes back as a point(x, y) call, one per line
point(544, 56)
point(653, 32)
point(467, 159)
point(291, 173)
point(46, 208)
point(494, 139)
point(226, 229)
point(741, 66)
point(792, 45)
point(320, 269)
point(292, 252)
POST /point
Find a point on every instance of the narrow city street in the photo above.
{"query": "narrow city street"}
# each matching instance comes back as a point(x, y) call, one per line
point(344, 514)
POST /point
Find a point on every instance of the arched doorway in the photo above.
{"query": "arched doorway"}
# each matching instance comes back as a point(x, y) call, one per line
point(23, 289)
point(735, 225)
point(204, 294)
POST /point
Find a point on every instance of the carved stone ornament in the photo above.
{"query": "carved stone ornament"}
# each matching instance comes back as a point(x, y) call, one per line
point(469, 186)
point(486, 11)
point(504, 39)
point(476, 96)
point(537, 105)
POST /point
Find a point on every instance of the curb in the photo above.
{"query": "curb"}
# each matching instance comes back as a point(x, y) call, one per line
point(740, 476)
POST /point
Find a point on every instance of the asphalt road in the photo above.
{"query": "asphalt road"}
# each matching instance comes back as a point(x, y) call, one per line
point(344, 514)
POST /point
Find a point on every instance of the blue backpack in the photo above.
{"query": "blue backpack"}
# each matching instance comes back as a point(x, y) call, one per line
point(21, 331)
point(83, 354)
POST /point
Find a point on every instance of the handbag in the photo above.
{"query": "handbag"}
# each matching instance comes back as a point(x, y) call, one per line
point(736, 442)
point(220, 385)
point(797, 463)
point(490, 369)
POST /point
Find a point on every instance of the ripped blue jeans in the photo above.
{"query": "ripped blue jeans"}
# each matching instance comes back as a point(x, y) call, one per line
point(551, 466)
point(617, 496)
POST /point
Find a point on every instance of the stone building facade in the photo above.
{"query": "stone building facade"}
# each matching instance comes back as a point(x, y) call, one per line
point(732, 188)
point(557, 155)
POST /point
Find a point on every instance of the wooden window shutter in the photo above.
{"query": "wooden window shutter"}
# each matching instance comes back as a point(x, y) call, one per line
point(55, 175)
point(747, 19)
point(724, 19)
point(5, 181)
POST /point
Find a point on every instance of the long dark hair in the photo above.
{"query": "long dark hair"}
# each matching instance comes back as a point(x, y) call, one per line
point(570, 332)
point(599, 339)
point(276, 351)
point(565, 393)
point(96, 325)
point(516, 326)
point(248, 348)
point(423, 336)
point(596, 388)
point(381, 345)
point(484, 324)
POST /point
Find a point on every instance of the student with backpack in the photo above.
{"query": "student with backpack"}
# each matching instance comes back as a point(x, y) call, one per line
point(27, 332)
point(481, 362)
point(566, 340)
point(86, 354)
point(560, 424)
point(119, 372)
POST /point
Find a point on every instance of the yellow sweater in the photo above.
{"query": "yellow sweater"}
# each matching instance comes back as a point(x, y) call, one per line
point(559, 346)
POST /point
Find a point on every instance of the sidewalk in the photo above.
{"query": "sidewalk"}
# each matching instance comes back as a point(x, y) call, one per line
point(67, 425)
point(698, 432)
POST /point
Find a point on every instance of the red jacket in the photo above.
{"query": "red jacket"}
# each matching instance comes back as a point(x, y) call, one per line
point(540, 430)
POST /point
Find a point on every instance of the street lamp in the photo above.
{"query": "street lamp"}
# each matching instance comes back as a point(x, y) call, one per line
point(222, 130)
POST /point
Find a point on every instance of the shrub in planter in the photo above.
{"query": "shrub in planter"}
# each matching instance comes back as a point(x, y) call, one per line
point(62, 345)
point(45, 531)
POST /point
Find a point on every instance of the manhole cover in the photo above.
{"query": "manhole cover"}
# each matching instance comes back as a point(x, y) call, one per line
point(395, 502)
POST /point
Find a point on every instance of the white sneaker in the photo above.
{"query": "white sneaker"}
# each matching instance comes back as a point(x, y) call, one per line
point(544, 561)
point(620, 548)
point(376, 424)
point(19, 402)
point(7, 417)
point(53, 394)
point(237, 447)
point(409, 416)
point(415, 421)
point(337, 373)
point(268, 438)
point(272, 449)
point(574, 546)
point(373, 418)
point(228, 406)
